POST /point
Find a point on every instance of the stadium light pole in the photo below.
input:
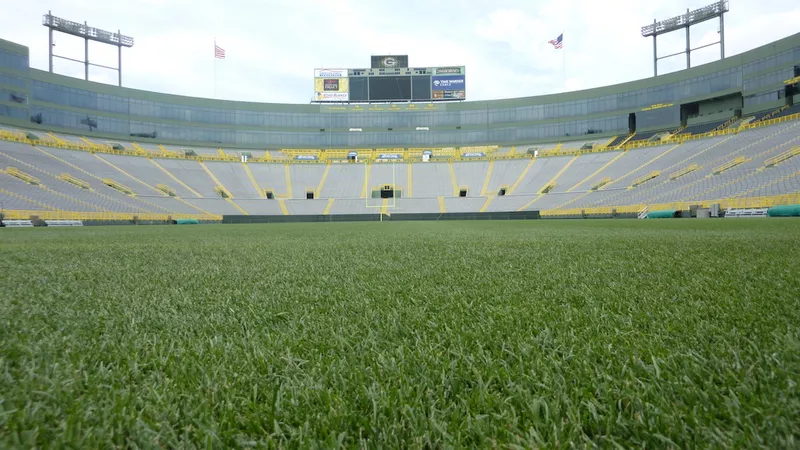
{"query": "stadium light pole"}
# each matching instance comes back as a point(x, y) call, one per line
point(714, 10)
point(87, 33)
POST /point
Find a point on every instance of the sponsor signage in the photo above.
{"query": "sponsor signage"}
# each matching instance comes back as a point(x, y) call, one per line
point(473, 155)
point(330, 84)
point(657, 106)
point(448, 71)
point(306, 157)
point(332, 96)
point(451, 95)
point(331, 89)
point(452, 82)
point(448, 87)
point(390, 156)
point(352, 154)
point(330, 73)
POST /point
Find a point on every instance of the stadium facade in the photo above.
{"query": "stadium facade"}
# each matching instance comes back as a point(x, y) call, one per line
point(746, 83)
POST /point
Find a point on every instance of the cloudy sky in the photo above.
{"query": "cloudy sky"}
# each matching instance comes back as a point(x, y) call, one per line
point(274, 45)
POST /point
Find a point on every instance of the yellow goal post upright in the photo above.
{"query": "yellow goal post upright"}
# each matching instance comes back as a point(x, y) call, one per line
point(380, 203)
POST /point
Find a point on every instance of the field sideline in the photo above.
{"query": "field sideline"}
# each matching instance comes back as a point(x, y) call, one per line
point(638, 333)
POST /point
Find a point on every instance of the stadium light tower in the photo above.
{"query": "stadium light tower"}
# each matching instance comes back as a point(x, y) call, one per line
point(716, 9)
point(88, 34)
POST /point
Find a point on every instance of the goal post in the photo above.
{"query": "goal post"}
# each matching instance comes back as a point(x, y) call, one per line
point(380, 203)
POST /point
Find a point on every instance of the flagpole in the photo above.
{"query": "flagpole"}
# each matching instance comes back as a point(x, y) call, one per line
point(215, 67)
point(563, 63)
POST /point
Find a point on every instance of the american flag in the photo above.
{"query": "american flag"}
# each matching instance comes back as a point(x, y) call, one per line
point(219, 52)
point(557, 42)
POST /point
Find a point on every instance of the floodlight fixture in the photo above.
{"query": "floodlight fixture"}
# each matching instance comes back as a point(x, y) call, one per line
point(686, 21)
point(87, 33)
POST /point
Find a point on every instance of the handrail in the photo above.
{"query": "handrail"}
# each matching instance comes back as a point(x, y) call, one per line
point(775, 160)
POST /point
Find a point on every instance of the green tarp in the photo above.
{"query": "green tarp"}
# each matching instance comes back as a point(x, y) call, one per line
point(187, 221)
point(784, 211)
point(663, 214)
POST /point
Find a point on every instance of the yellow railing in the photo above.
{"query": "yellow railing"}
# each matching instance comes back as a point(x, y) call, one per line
point(575, 151)
point(646, 178)
point(104, 216)
point(725, 124)
point(139, 150)
point(775, 160)
point(773, 113)
point(166, 189)
point(118, 186)
point(601, 210)
point(76, 181)
point(601, 183)
point(625, 141)
point(684, 171)
point(221, 191)
point(14, 172)
point(736, 161)
point(743, 202)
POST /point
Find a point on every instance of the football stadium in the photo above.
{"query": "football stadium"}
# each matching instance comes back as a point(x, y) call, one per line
point(395, 265)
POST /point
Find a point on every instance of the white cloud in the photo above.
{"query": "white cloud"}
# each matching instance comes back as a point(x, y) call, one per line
point(272, 47)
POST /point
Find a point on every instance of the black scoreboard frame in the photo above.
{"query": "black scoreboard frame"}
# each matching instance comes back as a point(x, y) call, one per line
point(401, 85)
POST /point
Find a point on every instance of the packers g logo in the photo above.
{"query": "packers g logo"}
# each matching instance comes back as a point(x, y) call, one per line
point(390, 61)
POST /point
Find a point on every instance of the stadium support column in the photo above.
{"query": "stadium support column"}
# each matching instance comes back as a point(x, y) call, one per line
point(655, 53)
point(722, 36)
point(50, 50)
point(119, 61)
point(86, 55)
point(688, 47)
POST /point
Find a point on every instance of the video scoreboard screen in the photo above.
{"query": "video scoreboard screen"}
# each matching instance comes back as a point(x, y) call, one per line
point(387, 84)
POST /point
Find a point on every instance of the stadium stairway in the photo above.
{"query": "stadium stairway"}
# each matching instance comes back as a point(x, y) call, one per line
point(149, 189)
point(175, 179)
point(410, 180)
point(252, 178)
point(220, 188)
point(585, 184)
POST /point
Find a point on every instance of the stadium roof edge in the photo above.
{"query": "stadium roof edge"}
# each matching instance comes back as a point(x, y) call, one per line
point(13, 47)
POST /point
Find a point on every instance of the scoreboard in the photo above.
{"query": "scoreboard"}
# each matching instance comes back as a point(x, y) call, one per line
point(390, 84)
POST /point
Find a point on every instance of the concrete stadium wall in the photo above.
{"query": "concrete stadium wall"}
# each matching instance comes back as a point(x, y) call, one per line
point(546, 118)
point(398, 217)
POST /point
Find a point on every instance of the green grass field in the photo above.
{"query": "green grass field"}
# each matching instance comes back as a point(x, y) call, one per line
point(648, 334)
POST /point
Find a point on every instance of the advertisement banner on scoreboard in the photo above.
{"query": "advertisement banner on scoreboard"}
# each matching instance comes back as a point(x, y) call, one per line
point(330, 73)
point(331, 89)
point(448, 71)
point(448, 83)
point(448, 87)
point(448, 95)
